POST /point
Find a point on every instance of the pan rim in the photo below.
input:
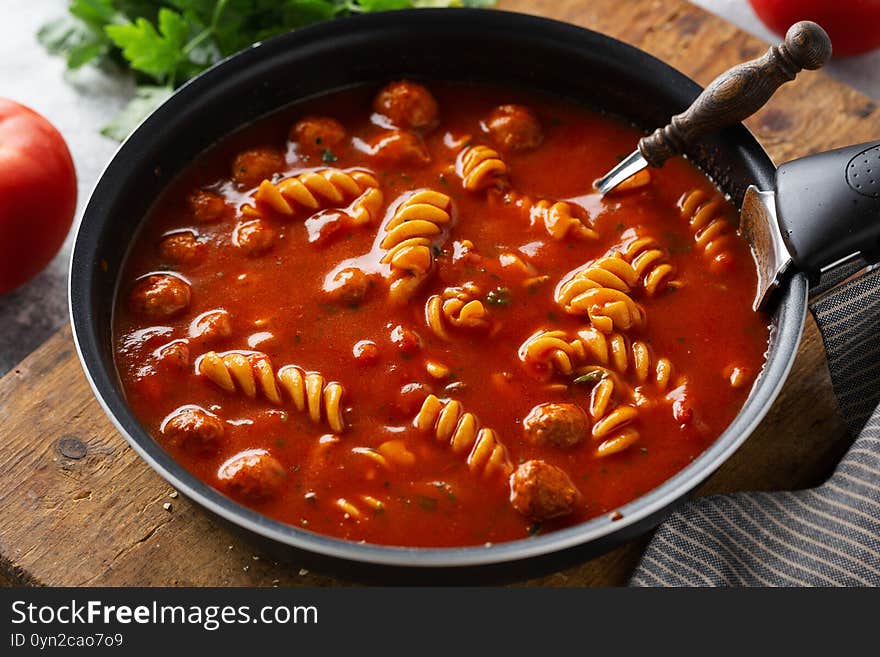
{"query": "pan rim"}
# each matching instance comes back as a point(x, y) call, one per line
point(790, 321)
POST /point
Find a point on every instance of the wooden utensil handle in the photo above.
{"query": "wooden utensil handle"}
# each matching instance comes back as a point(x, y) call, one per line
point(740, 91)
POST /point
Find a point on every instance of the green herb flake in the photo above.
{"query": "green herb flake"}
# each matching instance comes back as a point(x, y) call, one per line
point(500, 296)
point(534, 529)
point(426, 502)
point(590, 377)
point(328, 156)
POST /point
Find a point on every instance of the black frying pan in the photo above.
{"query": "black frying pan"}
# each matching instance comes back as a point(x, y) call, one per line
point(462, 45)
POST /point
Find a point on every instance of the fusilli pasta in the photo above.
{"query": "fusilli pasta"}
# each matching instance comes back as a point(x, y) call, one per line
point(651, 262)
point(251, 372)
point(315, 190)
point(480, 168)
point(561, 219)
point(409, 235)
point(548, 352)
point(611, 420)
point(456, 308)
point(713, 234)
point(447, 421)
point(600, 290)
point(356, 508)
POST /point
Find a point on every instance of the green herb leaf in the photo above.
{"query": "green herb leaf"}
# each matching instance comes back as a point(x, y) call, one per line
point(500, 296)
point(147, 98)
point(156, 53)
point(590, 377)
point(427, 503)
point(328, 156)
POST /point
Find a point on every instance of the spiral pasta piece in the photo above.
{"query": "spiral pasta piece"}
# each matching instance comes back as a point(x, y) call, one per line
point(316, 190)
point(561, 219)
point(448, 422)
point(481, 168)
point(554, 352)
point(612, 421)
point(713, 234)
point(358, 507)
point(413, 229)
point(600, 291)
point(251, 372)
point(456, 308)
point(612, 350)
point(651, 262)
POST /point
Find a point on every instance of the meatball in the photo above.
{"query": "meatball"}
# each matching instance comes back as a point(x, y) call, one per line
point(349, 286)
point(253, 475)
point(407, 104)
point(211, 325)
point(406, 340)
point(250, 168)
point(159, 296)
point(194, 429)
point(207, 206)
point(315, 133)
point(514, 127)
point(254, 237)
point(174, 355)
point(181, 247)
point(563, 425)
point(541, 491)
point(399, 148)
point(410, 399)
point(366, 352)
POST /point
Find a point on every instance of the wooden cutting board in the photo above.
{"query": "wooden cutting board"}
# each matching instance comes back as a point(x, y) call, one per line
point(79, 507)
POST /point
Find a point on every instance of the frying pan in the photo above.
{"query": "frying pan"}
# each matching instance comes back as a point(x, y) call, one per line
point(462, 45)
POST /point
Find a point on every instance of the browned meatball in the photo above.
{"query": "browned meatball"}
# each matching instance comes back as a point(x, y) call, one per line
point(541, 491)
point(194, 429)
point(252, 475)
point(409, 400)
point(399, 148)
point(211, 325)
point(254, 237)
point(174, 355)
point(207, 206)
point(315, 133)
point(366, 352)
point(250, 168)
point(514, 127)
point(349, 286)
point(407, 104)
point(563, 425)
point(159, 296)
point(181, 247)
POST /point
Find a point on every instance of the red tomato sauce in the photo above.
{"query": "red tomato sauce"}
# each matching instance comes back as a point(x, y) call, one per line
point(275, 303)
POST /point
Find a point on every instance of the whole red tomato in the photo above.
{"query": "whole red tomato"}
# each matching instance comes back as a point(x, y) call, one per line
point(37, 193)
point(853, 25)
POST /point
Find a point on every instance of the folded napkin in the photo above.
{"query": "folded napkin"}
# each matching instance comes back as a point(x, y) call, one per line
point(824, 536)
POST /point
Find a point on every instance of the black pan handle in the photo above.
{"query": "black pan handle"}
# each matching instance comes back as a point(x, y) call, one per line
point(828, 206)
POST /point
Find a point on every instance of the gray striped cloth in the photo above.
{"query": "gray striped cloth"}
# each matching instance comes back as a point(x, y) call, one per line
point(825, 536)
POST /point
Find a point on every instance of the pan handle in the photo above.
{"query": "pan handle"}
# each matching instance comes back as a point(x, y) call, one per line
point(828, 206)
point(739, 92)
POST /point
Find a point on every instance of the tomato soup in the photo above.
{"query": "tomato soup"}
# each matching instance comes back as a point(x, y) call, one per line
point(404, 316)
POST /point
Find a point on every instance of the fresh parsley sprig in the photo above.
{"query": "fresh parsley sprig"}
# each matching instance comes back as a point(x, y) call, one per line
point(166, 42)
